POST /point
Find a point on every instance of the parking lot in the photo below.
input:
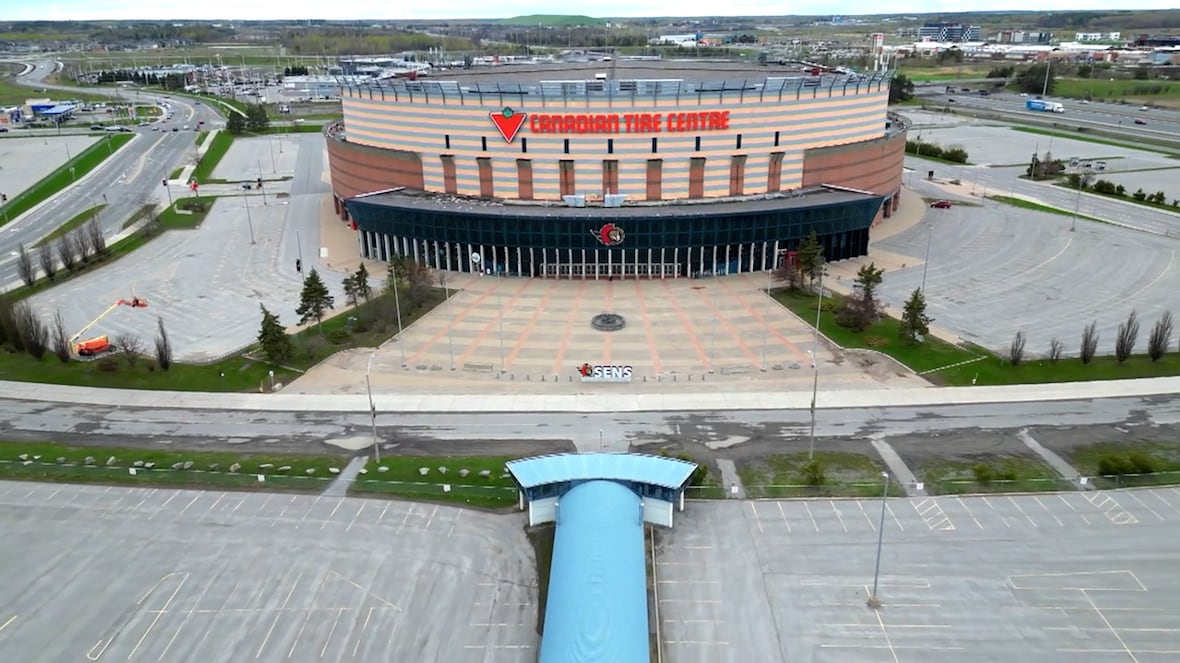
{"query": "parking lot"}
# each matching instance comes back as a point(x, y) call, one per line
point(138, 574)
point(24, 161)
point(1056, 577)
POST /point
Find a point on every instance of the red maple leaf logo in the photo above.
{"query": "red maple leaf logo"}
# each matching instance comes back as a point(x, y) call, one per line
point(585, 370)
point(508, 122)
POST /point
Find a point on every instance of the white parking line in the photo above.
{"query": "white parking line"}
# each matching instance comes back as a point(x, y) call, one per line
point(262, 506)
point(278, 614)
point(838, 515)
point(1074, 509)
point(812, 516)
point(997, 511)
point(1051, 514)
point(357, 515)
point(757, 520)
point(894, 516)
point(333, 514)
point(969, 513)
point(328, 640)
point(1144, 504)
point(784, 515)
point(932, 514)
point(872, 525)
point(186, 506)
point(1111, 508)
point(156, 619)
point(1022, 511)
point(1159, 495)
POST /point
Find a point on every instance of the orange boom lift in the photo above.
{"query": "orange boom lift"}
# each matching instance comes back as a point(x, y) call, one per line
point(101, 344)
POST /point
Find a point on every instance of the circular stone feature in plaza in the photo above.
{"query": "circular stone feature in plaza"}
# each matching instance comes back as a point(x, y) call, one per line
point(608, 322)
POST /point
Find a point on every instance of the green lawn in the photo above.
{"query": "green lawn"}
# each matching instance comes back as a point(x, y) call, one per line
point(1029, 205)
point(1082, 136)
point(49, 461)
point(221, 143)
point(201, 136)
point(927, 157)
point(1108, 90)
point(846, 474)
point(51, 184)
point(186, 213)
point(1009, 474)
point(15, 94)
point(1168, 207)
point(367, 325)
point(71, 225)
point(404, 479)
point(1163, 458)
point(978, 366)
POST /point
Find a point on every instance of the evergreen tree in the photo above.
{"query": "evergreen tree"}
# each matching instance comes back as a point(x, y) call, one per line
point(811, 258)
point(361, 282)
point(276, 345)
point(315, 300)
point(256, 119)
point(861, 309)
point(350, 293)
point(235, 123)
point(914, 321)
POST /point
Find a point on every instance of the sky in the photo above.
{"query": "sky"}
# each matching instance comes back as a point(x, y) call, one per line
point(435, 9)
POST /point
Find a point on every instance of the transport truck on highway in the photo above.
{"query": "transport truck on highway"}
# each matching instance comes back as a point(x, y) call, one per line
point(1044, 106)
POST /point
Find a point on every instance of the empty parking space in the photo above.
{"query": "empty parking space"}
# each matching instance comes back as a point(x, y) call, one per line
point(1061, 577)
point(183, 576)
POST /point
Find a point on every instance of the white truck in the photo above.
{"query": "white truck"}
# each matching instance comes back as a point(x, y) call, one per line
point(1044, 106)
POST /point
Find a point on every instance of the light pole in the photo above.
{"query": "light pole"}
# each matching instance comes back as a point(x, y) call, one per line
point(819, 308)
point(601, 442)
point(500, 317)
point(713, 331)
point(447, 297)
point(397, 306)
point(260, 187)
point(372, 407)
point(926, 262)
point(1073, 225)
point(765, 323)
point(1048, 67)
point(875, 602)
point(299, 248)
point(249, 221)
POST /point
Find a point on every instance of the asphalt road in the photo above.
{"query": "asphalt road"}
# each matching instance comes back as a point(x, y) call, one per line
point(309, 432)
point(129, 179)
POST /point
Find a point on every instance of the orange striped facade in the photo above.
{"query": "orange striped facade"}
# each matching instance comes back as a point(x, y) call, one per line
point(680, 150)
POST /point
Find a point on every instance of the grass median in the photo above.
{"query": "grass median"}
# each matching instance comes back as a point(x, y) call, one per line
point(1082, 136)
point(953, 365)
point(1126, 464)
point(61, 178)
point(218, 146)
point(478, 481)
point(1038, 207)
point(70, 226)
point(839, 474)
point(1011, 474)
point(51, 461)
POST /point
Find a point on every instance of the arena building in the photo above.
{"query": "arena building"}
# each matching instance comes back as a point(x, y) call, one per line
point(633, 174)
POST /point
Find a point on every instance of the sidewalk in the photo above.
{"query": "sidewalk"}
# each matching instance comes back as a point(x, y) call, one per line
point(605, 398)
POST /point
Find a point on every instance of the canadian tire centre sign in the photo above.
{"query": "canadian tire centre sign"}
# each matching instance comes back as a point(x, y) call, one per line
point(612, 373)
point(509, 122)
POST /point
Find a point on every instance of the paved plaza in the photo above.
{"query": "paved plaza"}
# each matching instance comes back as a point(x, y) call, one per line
point(684, 334)
point(96, 573)
point(272, 156)
point(1074, 577)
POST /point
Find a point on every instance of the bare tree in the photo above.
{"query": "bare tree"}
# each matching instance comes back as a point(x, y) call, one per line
point(48, 264)
point(1016, 349)
point(1055, 348)
point(24, 266)
point(163, 346)
point(66, 252)
point(1089, 342)
point(34, 336)
point(1124, 342)
point(131, 346)
point(1160, 337)
point(61, 342)
point(8, 331)
point(81, 244)
point(94, 236)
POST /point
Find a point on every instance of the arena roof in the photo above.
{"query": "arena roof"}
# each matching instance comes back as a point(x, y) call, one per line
point(639, 468)
point(692, 70)
point(597, 604)
point(443, 202)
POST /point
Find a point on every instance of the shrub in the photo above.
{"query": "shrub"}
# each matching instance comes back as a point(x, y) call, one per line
point(1141, 462)
point(984, 474)
point(337, 336)
point(107, 364)
point(813, 473)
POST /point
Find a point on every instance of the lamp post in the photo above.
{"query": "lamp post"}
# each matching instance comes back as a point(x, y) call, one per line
point(249, 221)
point(260, 187)
point(447, 297)
point(500, 317)
point(1073, 225)
point(397, 307)
point(713, 330)
point(372, 407)
point(1048, 67)
point(765, 323)
point(926, 262)
point(874, 601)
point(819, 308)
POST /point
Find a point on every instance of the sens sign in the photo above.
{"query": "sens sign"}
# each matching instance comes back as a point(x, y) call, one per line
point(613, 373)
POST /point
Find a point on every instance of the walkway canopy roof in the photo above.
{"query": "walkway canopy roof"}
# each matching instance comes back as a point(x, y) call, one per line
point(670, 473)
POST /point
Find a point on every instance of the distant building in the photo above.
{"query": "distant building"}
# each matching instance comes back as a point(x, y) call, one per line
point(1023, 37)
point(1157, 40)
point(947, 32)
point(1098, 36)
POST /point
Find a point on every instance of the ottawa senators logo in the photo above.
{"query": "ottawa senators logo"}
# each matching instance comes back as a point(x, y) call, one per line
point(609, 235)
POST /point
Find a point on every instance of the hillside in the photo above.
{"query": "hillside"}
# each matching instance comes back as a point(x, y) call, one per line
point(552, 20)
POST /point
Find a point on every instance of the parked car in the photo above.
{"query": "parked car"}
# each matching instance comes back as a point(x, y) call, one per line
point(1140, 121)
point(96, 127)
point(942, 204)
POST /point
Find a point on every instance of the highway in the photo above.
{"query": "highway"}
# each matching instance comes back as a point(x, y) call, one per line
point(129, 179)
point(1161, 123)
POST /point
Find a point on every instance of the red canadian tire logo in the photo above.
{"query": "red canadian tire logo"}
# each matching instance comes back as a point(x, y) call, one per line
point(508, 122)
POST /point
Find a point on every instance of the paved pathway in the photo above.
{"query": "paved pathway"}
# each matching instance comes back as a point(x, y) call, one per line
point(339, 487)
